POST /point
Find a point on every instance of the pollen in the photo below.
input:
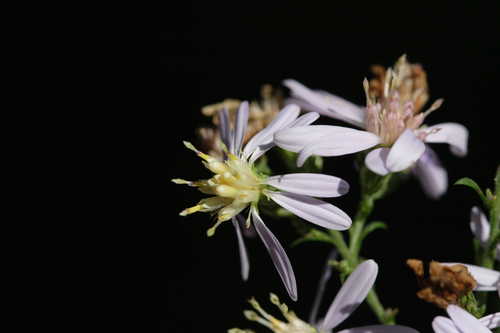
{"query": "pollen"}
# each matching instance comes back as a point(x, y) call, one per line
point(235, 186)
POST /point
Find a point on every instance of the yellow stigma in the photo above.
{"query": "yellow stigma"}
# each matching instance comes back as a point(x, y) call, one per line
point(234, 185)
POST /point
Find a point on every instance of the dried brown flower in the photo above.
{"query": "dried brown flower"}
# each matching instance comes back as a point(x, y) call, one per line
point(442, 284)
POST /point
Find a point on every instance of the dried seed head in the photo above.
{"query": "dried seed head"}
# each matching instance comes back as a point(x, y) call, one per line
point(442, 284)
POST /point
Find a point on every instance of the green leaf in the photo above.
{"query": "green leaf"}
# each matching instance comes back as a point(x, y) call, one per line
point(473, 185)
point(313, 236)
point(371, 227)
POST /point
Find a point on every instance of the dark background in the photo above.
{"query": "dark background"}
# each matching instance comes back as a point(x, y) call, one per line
point(214, 52)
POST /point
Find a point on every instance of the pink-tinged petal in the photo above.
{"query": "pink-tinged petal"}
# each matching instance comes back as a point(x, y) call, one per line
point(278, 255)
point(351, 295)
point(465, 321)
point(241, 126)
point(487, 279)
point(245, 264)
point(491, 321)
point(406, 150)
point(224, 128)
point(376, 161)
point(444, 325)
point(313, 210)
point(313, 184)
point(265, 137)
point(325, 277)
point(335, 140)
point(326, 104)
point(305, 119)
point(380, 329)
point(431, 174)
point(479, 225)
point(456, 135)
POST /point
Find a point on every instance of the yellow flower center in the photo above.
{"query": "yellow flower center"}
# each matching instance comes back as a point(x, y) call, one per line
point(234, 185)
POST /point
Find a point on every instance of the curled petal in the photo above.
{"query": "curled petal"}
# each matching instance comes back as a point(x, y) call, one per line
point(479, 225)
point(444, 325)
point(351, 295)
point(313, 210)
point(465, 321)
point(431, 174)
point(406, 150)
point(313, 184)
point(380, 329)
point(265, 137)
point(241, 126)
point(456, 135)
point(278, 255)
point(306, 119)
point(376, 161)
point(326, 104)
point(492, 321)
point(245, 266)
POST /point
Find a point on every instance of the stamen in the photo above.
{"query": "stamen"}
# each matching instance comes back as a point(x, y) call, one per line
point(211, 231)
point(253, 316)
point(436, 105)
point(181, 181)
point(191, 210)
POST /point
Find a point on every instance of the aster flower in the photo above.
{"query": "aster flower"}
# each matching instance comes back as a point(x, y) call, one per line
point(461, 321)
point(236, 186)
point(394, 119)
point(350, 296)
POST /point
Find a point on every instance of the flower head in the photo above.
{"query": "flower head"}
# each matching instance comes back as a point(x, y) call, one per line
point(236, 186)
point(350, 296)
point(392, 123)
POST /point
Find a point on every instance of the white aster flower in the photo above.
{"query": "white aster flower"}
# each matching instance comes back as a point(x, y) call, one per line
point(480, 227)
point(463, 322)
point(391, 120)
point(350, 296)
point(236, 186)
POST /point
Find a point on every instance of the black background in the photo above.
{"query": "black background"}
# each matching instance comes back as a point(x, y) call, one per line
point(215, 52)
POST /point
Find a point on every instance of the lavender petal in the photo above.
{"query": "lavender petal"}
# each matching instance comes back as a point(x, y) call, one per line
point(431, 174)
point(241, 126)
point(406, 150)
point(312, 184)
point(465, 321)
point(245, 263)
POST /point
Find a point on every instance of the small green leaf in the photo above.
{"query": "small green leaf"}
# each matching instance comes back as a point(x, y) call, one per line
point(371, 227)
point(472, 184)
point(313, 236)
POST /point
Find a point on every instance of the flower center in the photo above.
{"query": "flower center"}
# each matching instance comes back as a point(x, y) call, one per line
point(234, 185)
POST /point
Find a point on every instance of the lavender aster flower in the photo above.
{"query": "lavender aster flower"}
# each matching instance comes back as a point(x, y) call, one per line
point(394, 119)
point(350, 296)
point(463, 322)
point(237, 186)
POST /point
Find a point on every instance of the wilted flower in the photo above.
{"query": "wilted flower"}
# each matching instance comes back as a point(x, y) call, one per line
point(350, 296)
point(236, 186)
point(463, 322)
point(261, 113)
point(487, 279)
point(394, 118)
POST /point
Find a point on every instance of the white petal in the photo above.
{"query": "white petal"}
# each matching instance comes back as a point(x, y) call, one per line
point(492, 321)
point(352, 294)
point(376, 161)
point(454, 134)
point(326, 104)
point(380, 329)
point(313, 184)
point(406, 150)
point(486, 278)
point(284, 118)
point(338, 140)
point(325, 277)
point(444, 325)
point(313, 210)
point(241, 126)
point(245, 266)
point(305, 119)
point(278, 255)
point(465, 321)
point(431, 174)
point(224, 128)
point(479, 225)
